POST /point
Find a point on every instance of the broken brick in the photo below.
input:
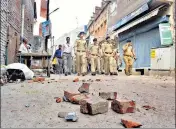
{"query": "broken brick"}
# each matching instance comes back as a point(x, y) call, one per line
point(68, 95)
point(130, 124)
point(39, 79)
point(77, 98)
point(98, 80)
point(58, 100)
point(76, 80)
point(123, 106)
point(93, 106)
point(84, 88)
point(108, 95)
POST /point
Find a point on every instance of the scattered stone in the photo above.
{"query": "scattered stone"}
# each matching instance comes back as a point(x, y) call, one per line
point(65, 99)
point(83, 80)
point(68, 95)
point(84, 88)
point(71, 117)
point(62, 114)
point(77, 98)
point(93, 106)
point(76, 80)
point(130, 124)
point(39, 79)
point(108, 95)
point(147, 107)
point(58, 100)
point(123, 106)
point(98, 80)
point(27, 105)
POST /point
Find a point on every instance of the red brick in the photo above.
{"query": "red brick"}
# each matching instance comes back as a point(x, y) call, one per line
point(68, 95)
point(76, 80)
point(130, 124)
point(94, 106)
point(123, 106)
point(108, 95)
point(84, 88)
point(77, 98)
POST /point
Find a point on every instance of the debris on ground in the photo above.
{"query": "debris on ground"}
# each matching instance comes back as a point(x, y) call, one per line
point(123, 106)
point(83, 80)
point(98, 80)
point(84, 88)
point(76, 80)
point(77, 98)
point(27, 105)
point(65, 99)
point(93, 106)
point(147, 107)
point(58, 100)
point(71, 117)
point(130, 124)
point(108, 95)
point(38, 79)
point(62, 114)
point(68, 95)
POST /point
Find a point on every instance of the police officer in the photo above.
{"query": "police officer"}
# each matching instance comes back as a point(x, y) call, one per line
point(108, 56)
point(94, 51)
point(102, 58)
point(128, 56)
point(80, 48)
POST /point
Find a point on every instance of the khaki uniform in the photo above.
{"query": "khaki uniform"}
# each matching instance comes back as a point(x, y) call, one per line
point(114, 60)
point(94, 51)
point(80, 48)
point(102, 59)
point(128, 58)
point(74, 64)
point(108, 56)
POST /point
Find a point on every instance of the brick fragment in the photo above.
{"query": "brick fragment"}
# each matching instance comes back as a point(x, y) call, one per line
point(84, 88)
point(123, 106)
point(130, 124)
point(98, 80)
point(76, 80)
point(77, 98)
point(58, 100)
point(93, 106)
point(68, 94)
point(39, 79)
point(108, 95)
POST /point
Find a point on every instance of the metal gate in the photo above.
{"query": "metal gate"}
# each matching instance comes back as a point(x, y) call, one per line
point(142, 44)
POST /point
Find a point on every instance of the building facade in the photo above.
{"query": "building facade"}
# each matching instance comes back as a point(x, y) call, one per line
point(145, 23)
point(10, 27)
point(97, 25)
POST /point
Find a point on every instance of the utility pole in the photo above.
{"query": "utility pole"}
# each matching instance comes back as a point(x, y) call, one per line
point(47, 18)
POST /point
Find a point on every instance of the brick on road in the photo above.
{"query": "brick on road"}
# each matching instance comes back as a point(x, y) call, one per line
point(93, 106)
point(68, 95)
point(130, 124)
point(84, 88)
point(108, 95)
point(77, 98)
point(123, 106)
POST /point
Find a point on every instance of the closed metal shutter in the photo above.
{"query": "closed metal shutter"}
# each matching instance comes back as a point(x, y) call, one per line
point(142, 44)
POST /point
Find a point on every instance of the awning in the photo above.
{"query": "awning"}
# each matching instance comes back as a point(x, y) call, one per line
point(138, 21)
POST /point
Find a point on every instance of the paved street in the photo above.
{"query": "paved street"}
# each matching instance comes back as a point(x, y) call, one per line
point(33, 104)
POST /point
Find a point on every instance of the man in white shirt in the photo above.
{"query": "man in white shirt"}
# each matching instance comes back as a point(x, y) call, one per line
point(67, 56)
point(24, 47)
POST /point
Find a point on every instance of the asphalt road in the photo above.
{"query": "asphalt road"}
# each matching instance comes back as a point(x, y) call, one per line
point(32, 105)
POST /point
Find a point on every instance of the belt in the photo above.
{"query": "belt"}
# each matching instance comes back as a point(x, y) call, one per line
point(94, 55)
point(80, 51)
point(128, 56)
point(108, 52)
point(67, 53)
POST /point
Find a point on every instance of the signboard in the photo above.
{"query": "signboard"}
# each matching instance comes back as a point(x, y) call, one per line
point(165, 34)
point(129, 17)
point(153, 53)
point(46, 28)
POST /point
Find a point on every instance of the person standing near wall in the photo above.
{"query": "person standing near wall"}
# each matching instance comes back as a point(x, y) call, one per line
point(67, 56)
point(101, 58)
point(128, 56)
point(58, 54)
point(80, 48)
